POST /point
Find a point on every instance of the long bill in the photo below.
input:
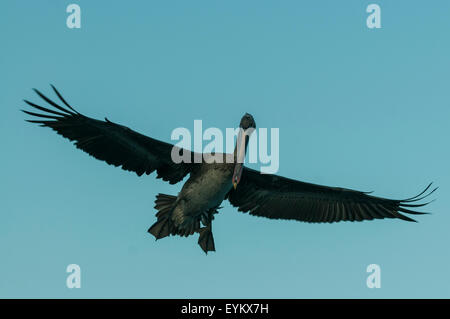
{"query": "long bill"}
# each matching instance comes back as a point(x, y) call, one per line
point(240, 156)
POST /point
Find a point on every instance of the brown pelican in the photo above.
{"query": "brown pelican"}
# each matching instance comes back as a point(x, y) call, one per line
point(193, 209)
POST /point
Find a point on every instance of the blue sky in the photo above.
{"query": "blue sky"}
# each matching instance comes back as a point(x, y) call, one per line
point(357, 108)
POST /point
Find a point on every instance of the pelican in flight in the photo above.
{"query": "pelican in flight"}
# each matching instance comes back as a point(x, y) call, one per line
point(210, 183)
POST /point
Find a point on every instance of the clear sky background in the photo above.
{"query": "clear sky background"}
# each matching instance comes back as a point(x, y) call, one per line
point(357, 108)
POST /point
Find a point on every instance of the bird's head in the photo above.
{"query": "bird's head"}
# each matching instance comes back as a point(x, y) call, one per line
point(246, 128)
point(247, 121)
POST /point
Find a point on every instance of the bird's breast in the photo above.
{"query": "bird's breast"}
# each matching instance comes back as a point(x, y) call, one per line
point(206, 189)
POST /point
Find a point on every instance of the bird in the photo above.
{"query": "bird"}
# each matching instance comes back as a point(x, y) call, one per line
point(210, 183)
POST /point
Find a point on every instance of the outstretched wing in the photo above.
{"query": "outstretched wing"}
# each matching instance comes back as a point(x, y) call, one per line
point(278, 197)
point(113, 143)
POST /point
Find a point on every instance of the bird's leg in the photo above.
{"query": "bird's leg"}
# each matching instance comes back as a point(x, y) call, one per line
point(206, 239)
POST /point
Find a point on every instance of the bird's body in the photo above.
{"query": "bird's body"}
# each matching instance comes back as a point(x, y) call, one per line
point(194, 208)
point(211, 182)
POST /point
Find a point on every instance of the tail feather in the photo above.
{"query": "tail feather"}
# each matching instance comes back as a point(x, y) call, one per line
point(164, 226)
point(164, 204)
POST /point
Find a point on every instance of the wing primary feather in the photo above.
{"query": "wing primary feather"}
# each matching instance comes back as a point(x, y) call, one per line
point(40, 121)
point(44, 109)
point(51, 102)
point(41, 115)
point(414, 197)
point(404, 210)
point(416, 205)
point(62, 99)
point(423, 197)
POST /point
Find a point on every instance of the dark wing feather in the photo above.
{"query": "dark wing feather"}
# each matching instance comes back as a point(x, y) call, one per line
point(113, 143)
point(278, 197)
